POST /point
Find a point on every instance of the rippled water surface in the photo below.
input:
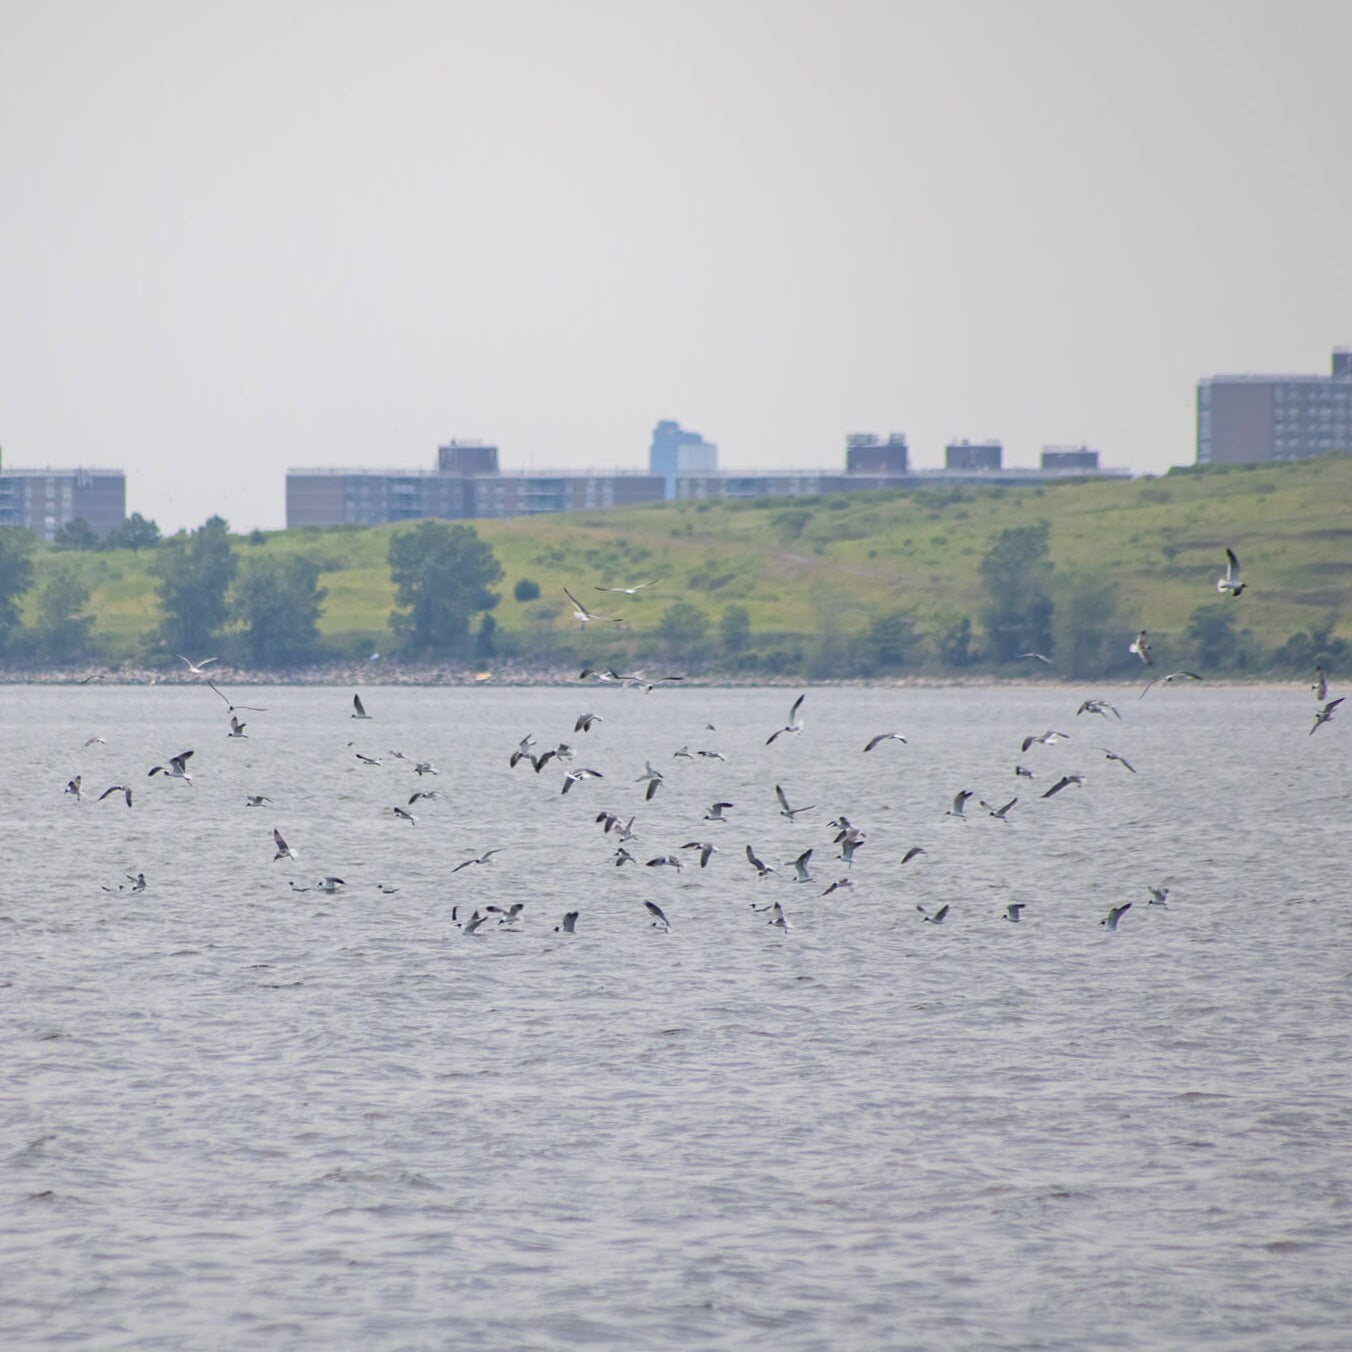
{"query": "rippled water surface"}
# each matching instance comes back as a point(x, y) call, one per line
point(235, 1115)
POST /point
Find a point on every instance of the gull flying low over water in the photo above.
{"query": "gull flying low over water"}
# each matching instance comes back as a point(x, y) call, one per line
point(369, 760)
point(568, 924)
point(705, 848)
point(358, 708)
point(574, 776)
point(1141, 647)
point(665, 861)
point(777, 917)
point(123, 789)
point(176, 769)
point(485, 858)
point(1159, 896)
point(999, 813)
point(584, 724)
point(837, 885)
point(1048, 738)
point(1323, 715)
point(660, 921)
point(1168, 680)
point(959, 808)
point(1121, 760)
point(73, 786)
point(1230, 582)
point(231, 708)
point(250, 800)
point(1037, 657)
point(654, 778)
point(330, 884)
point(284, 851)
point(715, 812)
point(1023, 772)
point(1109, 921)
point(1098, 706)
point(795, 724)
point(884, 737)
point(1064, 782)
point(236, 728)
point(763, 870)
point(800, 873)
point(785, 810)
point(912, 852)
point(1014, 911)
point(404, 815)
point(937, 918)
point(473, 924)
point(198, 668)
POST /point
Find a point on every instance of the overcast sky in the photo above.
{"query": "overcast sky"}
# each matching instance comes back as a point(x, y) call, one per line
point(237, 237)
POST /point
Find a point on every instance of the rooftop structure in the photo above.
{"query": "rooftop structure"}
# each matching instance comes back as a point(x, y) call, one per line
point(675, 453)
point(973, 455)
point(1250, 419)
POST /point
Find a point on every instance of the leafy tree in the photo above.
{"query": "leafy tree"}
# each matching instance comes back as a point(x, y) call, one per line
point(681, 628)
point(62, 630)
point(135, 533)
point(1212, 629)
point(76, 534)
point(485, 641)
point(1318, 644)
point(955, 648)
point(16, 575)
point(1016, 570)
point(194, 572)
point(442, 575)
point(890, 641)
point(1089, 638)
point(279, 601)
point(526, 589)
point(734, 629)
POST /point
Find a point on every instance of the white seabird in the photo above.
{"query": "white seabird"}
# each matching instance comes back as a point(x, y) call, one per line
point(882, 737)
point(123, 789)
point(1014, 911)
point(795, 724)
point(937, 918)
point(1141, 647)
point(1110, 920)
point(1168, 680)
point(660, 921)
point(284, 851)
point(715, 812)
point(574, 776)
point(763, 870)
point(569, 923)
point(959, 808)
point(584, 617)
point(1323, 715)
point(358, 708)
point(1230, 582)
point(785, 810)
point(801, 875)
point(198, 668)
point(176, 769)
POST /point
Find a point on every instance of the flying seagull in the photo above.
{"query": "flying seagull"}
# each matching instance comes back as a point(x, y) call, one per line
point(123, 789)
point(659, 919)
point(1048, 738)
point(999, 813)
point(715, 812)
point(1230, 582)
point(255, 800)
point(176, 769)
point(1064, 782)
point(1141, 647)
point(1110, 920)
point(777, 917)
point(937, 918)
point(705, 848)
point(1159, 896)
point(1169, 680)
point(630, 591)
point(800, 872)
point(198, 668)
point(404, 815)
point(793, 725)
point(1037, 657)
point(244, 708)
point(884, 737)
point(1323, 715)
point(654, 778)
point(583, 616)
point(584, 724)
point(236, 728)
point(1014, 911)
point(284, 851)
point(959, 808)
point(569, 924)
point(1098, 706)
point(73, 786)
point(573, 776)
point(358, 708)
point(912, 852)
point(763, 870)
point(485, 858)
point(785, 810)
point(1113, 756)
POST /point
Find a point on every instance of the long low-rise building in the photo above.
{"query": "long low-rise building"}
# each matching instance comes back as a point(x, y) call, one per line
point(46, 501)
point(468, 484)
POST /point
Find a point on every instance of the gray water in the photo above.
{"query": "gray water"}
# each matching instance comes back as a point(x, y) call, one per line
point(238, 1116)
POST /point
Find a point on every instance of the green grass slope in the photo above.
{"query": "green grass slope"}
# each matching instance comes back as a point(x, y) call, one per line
point(809, 567)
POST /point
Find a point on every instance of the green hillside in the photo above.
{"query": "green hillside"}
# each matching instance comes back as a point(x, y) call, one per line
point(818, 576)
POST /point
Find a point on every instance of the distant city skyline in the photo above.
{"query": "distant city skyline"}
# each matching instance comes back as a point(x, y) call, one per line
point(236, 239)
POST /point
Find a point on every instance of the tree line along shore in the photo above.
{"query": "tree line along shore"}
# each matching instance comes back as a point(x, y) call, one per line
point(948, 583)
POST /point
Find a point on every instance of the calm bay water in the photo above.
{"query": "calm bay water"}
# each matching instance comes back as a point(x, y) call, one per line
point(235, 1115)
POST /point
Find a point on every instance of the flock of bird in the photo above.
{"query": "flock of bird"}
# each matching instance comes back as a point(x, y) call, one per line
point(617, 826)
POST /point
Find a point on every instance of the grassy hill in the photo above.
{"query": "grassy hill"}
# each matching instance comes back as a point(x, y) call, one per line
point(815, 574)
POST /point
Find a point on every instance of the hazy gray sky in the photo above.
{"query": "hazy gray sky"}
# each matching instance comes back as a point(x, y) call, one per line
point(237, 237)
